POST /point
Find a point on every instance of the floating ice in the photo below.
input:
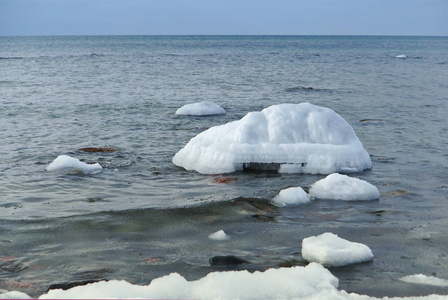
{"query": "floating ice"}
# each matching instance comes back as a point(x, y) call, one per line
point(423, 279)
point(205, 108)
point(284, 283)
point(219, 235)
point(330, 250)
point(401, 56)
point(314, 139)
point(68, 164)
point(342, 187)
point(312, 282)
point(292, 195)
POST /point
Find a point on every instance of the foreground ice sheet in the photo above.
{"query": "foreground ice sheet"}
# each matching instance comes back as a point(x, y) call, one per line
point(312, 282)
point(291, 196)
point(205, 108)
point(330, 250)
point(342, 187)
point(306, 137)
point(68, 164)
point(285, 283)
point(424, 279)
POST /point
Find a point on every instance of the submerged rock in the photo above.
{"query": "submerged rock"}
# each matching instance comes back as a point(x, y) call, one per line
point(228, 260)
point(100, 149)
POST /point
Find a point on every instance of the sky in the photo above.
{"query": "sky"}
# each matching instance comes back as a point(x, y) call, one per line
point(223, 17)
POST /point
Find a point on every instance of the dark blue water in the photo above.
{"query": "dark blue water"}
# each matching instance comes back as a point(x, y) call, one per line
point(142, 217)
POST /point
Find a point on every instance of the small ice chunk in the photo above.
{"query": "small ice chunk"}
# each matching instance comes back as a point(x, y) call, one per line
point(219, 235)
point(68, 164)
point(330, 250)
point(424, 279)
point(342, 187)
point(316, 138)
point(205, 108)
point(292, 195)
point(401, 56)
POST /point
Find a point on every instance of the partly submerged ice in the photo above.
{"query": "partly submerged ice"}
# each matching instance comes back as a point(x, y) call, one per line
point(68, 164)
point(291, 196)
point(205, 108)
point(342, 187)
point(330, 250)
point(424, 279)
point(305, 137)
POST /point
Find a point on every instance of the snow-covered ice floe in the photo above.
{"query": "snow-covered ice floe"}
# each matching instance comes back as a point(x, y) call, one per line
point(330, 250)
point(205, 108)
point(342, 187)
point(291, 196)
point(68, 164)
point(301, 138)
point(401, 56)
point(424, 279)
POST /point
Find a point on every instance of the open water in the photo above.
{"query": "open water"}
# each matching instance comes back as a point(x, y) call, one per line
point(142, 217)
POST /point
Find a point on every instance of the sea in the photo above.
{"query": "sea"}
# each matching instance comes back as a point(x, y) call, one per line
point(143, 217)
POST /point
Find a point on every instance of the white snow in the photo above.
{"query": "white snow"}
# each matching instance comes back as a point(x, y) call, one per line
point(13, 295)
point(285, 283)
point(330, 250)
point(342, 187)
point(219, 235)
point(205, 108)
point(302, 134)
point(292, 195)
point(424, 279)
point(68, 164)
point(312, 282)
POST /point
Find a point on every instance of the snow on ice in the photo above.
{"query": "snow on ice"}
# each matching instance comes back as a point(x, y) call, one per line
point(312, 282)
point(303, 137)
point(342, 187)
point(330, 250)
point(68, 164)
point(291, 196)
point(205, 108)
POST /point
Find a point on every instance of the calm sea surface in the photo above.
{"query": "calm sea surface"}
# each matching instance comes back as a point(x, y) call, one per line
point(142, 217)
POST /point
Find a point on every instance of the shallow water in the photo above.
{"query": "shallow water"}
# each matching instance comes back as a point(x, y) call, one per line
point(143, 217)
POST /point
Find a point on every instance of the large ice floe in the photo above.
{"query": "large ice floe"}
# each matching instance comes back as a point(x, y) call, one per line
point(293, 137)
point(342, 187)
point(68, 164)
point(330, 250)
point(205, 108)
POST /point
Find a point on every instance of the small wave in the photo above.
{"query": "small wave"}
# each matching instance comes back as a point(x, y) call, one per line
point(299, 89)
point(11, 57)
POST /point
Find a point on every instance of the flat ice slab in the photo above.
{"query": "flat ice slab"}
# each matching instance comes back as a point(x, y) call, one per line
point(342, 187)
point(424, 279)
point(68, 164)
point(205, 108)
point(330, 250)
point(300, 137)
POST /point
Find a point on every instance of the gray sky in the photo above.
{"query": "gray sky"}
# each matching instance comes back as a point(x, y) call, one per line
point(161, 17)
